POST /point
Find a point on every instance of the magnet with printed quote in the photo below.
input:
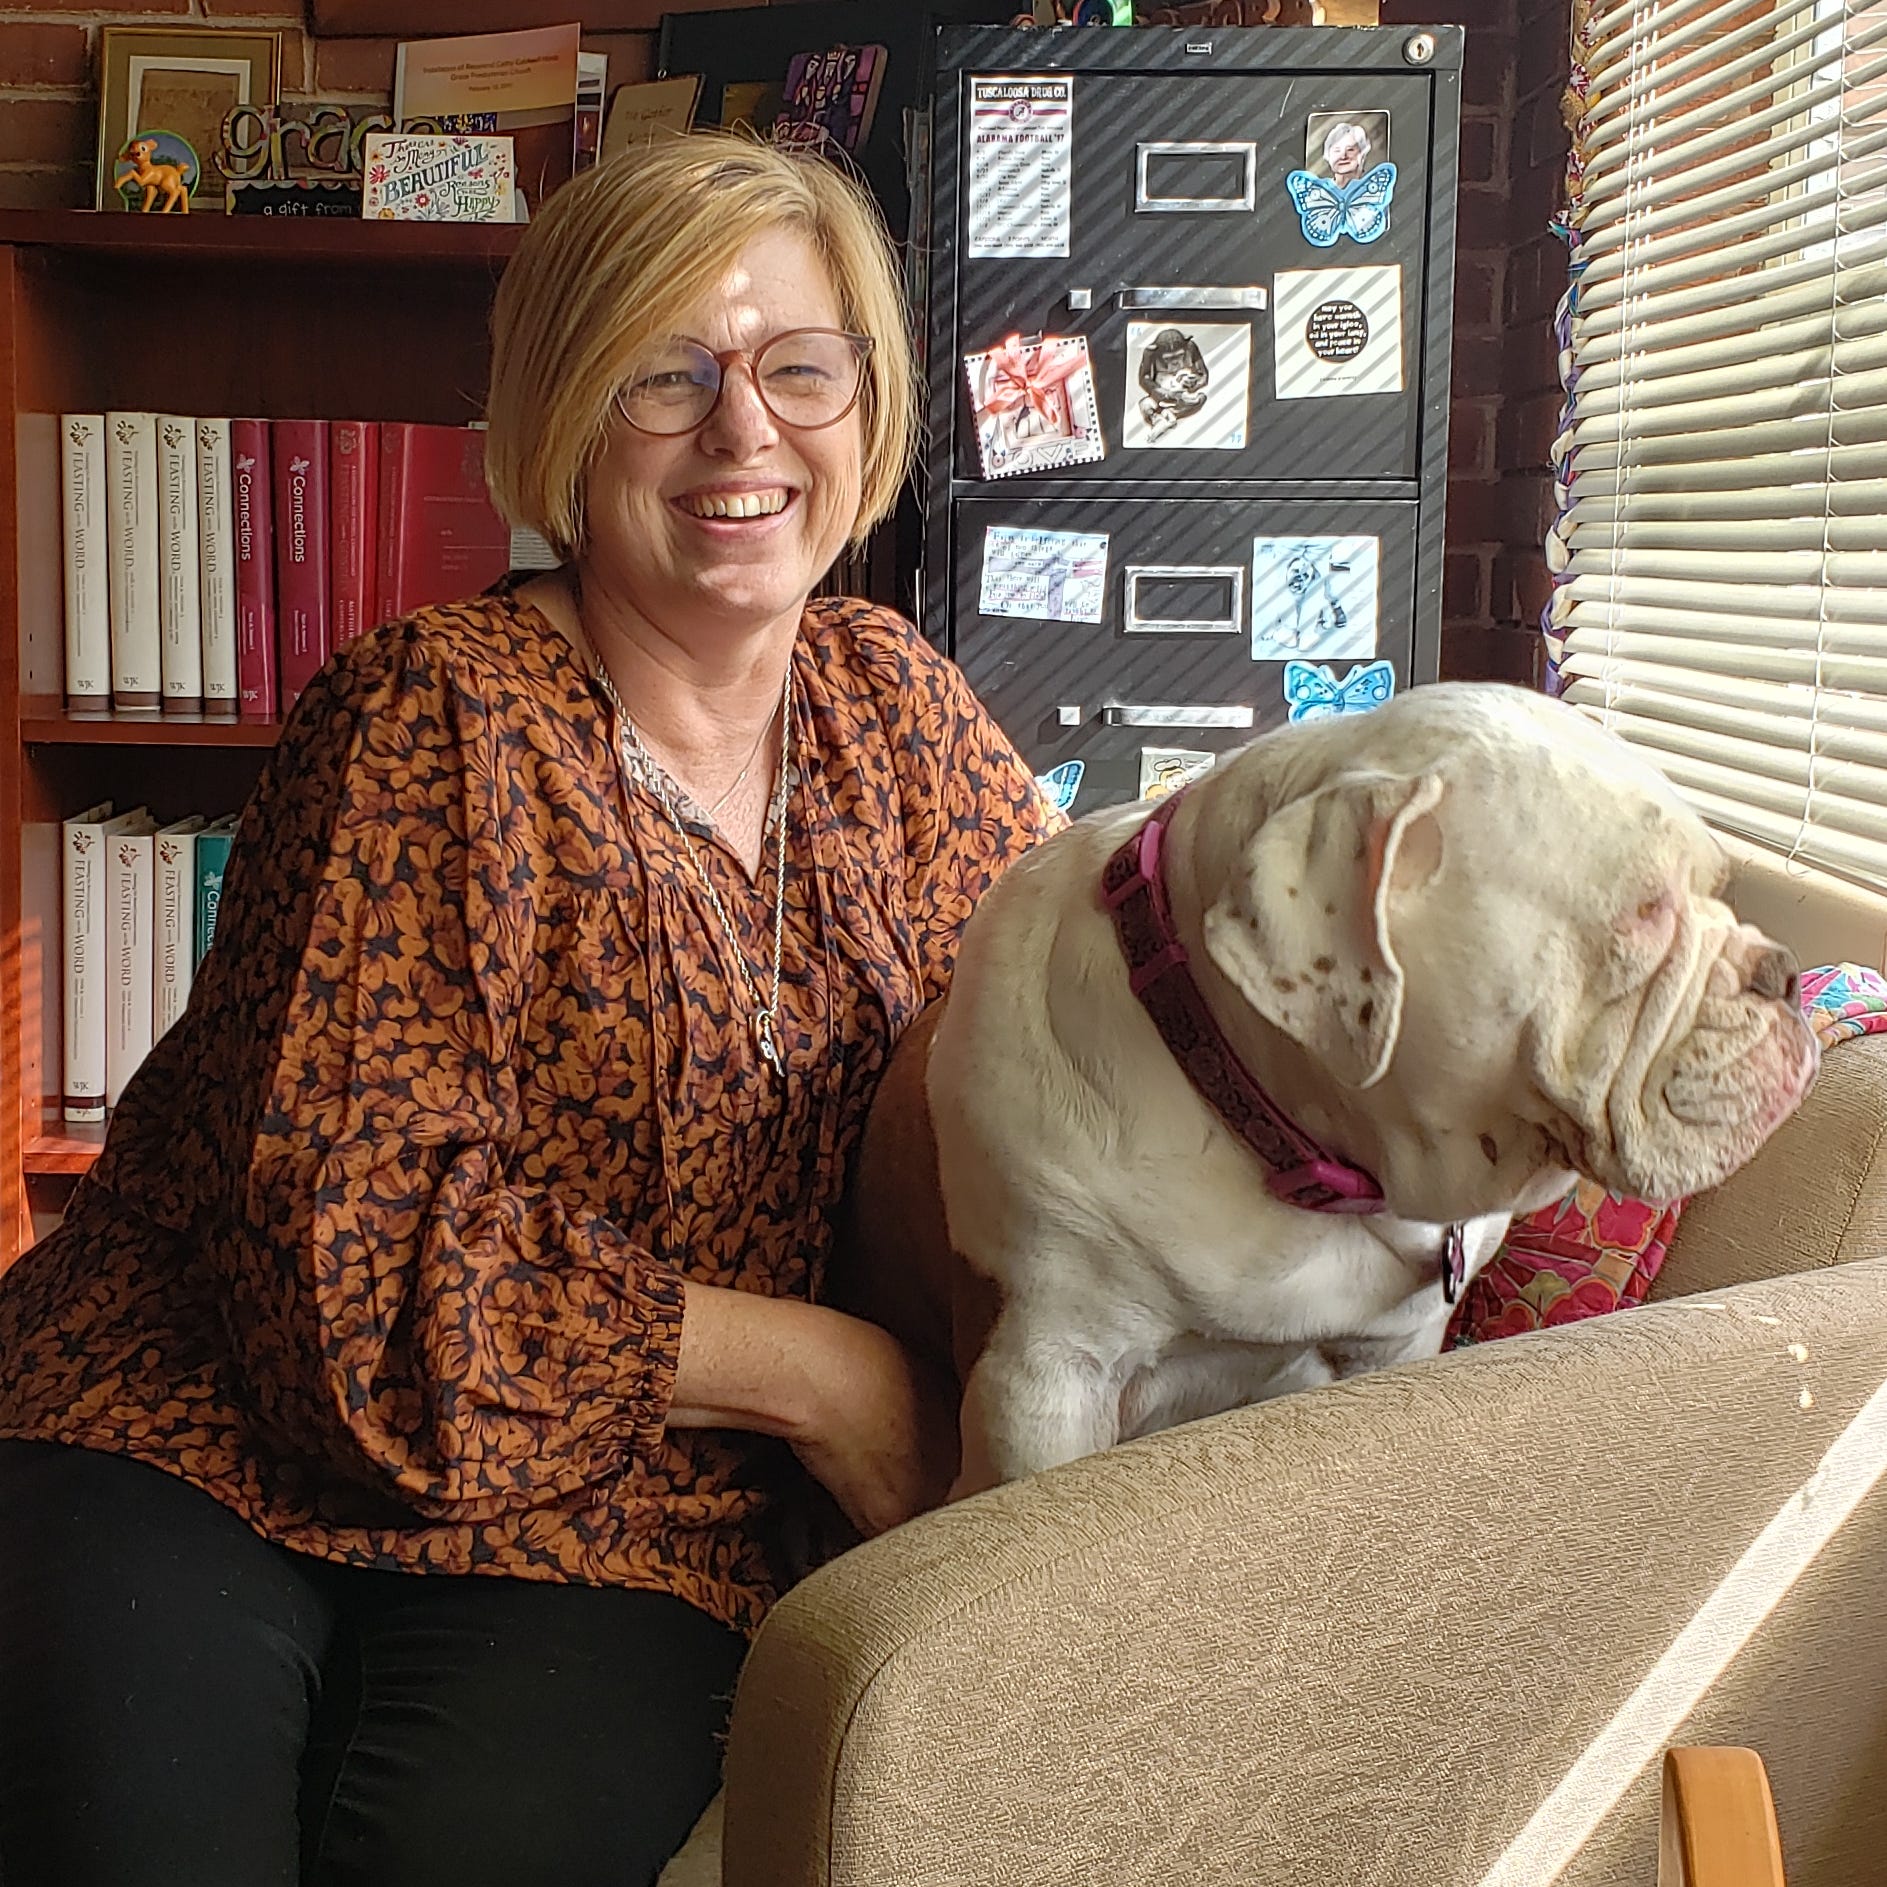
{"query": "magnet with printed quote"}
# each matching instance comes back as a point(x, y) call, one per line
point(1034, 404)
point(1165, 770)
point(1188, 385)
point(1313, 693)
point(1340, 192)
point(1043, 576)
point(1313, 596)
point(1337, 331)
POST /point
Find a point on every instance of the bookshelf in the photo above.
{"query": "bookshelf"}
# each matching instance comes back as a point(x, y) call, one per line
point(264, 316)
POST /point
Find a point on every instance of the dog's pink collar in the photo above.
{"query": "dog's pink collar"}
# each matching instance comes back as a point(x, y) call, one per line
point(1133, 887)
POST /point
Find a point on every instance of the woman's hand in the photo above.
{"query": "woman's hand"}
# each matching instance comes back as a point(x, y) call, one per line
point(880, 1429)
point(873, 1425)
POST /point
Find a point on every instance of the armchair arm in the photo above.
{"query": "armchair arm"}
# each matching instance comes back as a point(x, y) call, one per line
point(1363, 1634)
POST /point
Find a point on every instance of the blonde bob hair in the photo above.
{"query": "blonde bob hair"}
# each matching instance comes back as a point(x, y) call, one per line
point(615, 264)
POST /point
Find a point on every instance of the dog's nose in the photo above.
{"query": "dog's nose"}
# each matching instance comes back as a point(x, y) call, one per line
point(1773, 974)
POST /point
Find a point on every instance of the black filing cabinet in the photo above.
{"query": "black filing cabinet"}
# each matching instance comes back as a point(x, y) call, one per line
point(1189, 304)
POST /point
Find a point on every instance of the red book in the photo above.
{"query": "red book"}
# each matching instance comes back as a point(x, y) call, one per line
point(441, 541)
point(255, 567)
point(353, 526)
point(300, 450)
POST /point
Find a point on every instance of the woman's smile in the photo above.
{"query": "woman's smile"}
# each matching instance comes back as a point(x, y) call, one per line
point(742, 505)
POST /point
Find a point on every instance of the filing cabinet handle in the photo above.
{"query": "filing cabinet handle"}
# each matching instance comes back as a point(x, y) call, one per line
point(1173, 295)
point(1125, 714)
point(1232, 623)
point(1244, 198)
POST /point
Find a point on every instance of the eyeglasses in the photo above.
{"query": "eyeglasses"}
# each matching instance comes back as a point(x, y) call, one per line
point(806, 378)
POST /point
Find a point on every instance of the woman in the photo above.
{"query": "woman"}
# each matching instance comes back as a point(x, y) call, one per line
point(1346, 151)
point(408, 1415)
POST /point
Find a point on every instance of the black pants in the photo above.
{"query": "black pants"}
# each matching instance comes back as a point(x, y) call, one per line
point(183, 1704)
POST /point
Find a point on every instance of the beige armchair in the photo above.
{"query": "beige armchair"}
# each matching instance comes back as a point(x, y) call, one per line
point(1430, 1628)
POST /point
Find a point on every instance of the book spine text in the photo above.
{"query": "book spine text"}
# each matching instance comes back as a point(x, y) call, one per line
point(252, 538)
point(180, 595)
point(216, 561)
point(132, 544)
point(87, 569)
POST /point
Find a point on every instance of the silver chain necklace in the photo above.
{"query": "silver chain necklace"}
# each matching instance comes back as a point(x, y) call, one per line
point(639, 763)
point(746, 766)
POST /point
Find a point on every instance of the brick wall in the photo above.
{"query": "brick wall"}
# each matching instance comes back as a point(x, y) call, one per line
point(1536, 279)
point(1509, 272)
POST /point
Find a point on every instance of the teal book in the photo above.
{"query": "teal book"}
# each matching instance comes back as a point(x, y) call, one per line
point(212, 860)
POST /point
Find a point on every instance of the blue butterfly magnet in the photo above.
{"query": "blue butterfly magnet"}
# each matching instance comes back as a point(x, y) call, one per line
point(1313, 693)
point(1330, 210)
point(1060, 784)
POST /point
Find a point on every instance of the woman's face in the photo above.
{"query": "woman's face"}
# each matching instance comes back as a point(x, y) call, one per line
point(655, 507)
point(1346, 155)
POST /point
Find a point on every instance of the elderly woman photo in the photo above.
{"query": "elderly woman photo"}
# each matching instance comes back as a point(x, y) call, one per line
point(410, 1419)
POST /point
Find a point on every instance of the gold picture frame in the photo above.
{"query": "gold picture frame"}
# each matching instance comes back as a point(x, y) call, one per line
point(179, 79)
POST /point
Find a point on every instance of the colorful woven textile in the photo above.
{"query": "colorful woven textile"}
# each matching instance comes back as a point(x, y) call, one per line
point(1595, 1252)
point(1843, 1001)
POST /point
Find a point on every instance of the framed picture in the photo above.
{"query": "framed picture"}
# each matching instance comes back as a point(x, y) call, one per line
point(172, 85)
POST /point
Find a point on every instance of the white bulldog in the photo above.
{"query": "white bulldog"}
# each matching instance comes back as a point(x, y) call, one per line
point(1467, 943)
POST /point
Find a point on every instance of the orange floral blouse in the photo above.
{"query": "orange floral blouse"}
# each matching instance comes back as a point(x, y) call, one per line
point(387, 1244)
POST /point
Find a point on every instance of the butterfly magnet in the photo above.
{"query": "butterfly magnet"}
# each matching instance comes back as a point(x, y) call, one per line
point(1313, 693)
point(1339, 192)
point(1060, 784)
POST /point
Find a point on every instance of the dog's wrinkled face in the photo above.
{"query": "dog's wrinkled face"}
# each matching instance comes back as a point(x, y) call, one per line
point(1503, 933)
point(1690, 1049)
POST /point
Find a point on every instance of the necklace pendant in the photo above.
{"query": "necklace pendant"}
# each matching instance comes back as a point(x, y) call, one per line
point(763, 1039)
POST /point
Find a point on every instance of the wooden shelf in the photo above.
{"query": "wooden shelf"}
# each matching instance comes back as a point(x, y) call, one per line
point(259, 315)
point(328, 240)
point(61, 730)
point(67, 1150)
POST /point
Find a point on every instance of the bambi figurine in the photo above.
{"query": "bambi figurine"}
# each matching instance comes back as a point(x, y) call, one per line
point(156, 180)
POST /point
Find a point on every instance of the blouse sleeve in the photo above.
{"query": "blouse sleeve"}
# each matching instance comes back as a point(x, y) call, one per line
point(408, 1307)
point(976, 810)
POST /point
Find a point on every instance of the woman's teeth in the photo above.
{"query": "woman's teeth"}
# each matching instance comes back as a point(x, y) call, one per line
point(745, 504)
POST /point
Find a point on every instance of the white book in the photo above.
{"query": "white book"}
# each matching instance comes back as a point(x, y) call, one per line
point(173, 944)
point(84, 839)
point(530, 551)
point(216, 565)
point(180, 595)
point(87, 569)
point(130, 916)
point(137, 644)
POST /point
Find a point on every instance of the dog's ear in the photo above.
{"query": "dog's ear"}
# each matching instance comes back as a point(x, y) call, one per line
point(1305, 929)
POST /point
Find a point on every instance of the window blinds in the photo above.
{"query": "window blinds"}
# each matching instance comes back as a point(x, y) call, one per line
point(1721, 556)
